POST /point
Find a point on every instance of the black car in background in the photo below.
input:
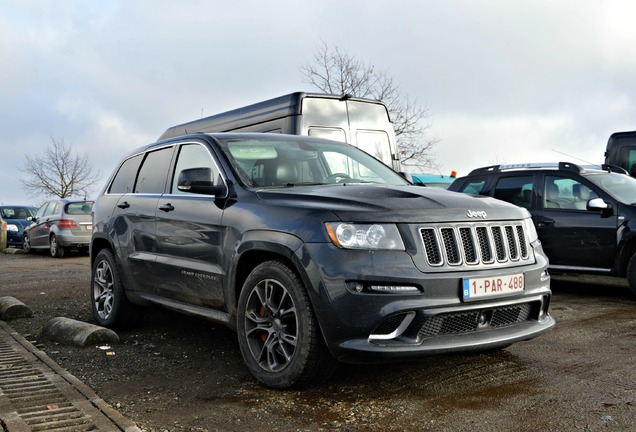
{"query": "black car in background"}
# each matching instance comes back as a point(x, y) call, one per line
point(313, 251)
point(17, 219)
point(60, 225)
point(585, 217)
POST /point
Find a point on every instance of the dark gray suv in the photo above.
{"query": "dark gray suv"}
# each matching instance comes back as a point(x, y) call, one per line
point(314, 252)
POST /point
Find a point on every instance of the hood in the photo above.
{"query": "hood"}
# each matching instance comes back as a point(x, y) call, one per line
point(386, 203)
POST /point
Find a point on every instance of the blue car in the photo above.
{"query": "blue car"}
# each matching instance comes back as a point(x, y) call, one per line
point(16, 218)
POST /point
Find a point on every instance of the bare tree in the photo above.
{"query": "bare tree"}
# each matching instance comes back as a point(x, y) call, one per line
point(58, 171)
point(335, 71)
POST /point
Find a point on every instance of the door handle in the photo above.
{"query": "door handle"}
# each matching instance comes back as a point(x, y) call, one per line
point(123, 205)
point(544, 222)
point(166, 207)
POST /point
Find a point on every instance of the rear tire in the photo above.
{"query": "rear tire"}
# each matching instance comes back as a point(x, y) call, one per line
point(56, 250)
point(278, 333)
point(111, 307)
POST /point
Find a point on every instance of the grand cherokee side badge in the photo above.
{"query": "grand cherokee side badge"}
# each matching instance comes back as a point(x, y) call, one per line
point(476, 214)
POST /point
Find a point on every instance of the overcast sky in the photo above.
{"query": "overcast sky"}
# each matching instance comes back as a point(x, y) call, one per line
point(505, 81)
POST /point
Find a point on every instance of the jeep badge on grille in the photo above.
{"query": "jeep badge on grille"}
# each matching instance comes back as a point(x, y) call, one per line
point(476, 214)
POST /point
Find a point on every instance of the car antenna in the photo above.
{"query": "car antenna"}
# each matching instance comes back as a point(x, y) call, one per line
point(582, 160)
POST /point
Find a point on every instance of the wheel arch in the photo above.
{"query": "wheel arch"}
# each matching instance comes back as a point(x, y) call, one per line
point(259, 247)
point(99, 243)
point(626, 247)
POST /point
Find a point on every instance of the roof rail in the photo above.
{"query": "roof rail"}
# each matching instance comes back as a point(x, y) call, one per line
point(614, 168)
point(560, 165)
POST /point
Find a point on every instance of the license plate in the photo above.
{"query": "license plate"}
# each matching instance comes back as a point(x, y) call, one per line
point(493, 286)
point(87, 226)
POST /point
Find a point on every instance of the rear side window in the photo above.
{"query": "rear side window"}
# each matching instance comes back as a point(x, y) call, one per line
point(516, 190)
point(125, 178)
point(154, 171)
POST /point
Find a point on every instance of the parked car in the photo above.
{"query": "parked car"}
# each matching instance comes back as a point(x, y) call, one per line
point(313, 251)
point(60, 225)
point(585, 217)
point(16, 217)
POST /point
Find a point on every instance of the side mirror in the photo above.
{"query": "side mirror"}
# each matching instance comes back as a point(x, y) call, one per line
point(598, 204)
point(199, 180)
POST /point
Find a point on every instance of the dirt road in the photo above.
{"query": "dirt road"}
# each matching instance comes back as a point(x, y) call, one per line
point(178, 373)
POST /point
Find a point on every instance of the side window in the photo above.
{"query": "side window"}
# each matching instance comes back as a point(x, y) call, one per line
point(566, 193)
point(193, 156)
point(516, 190)
point(125, 178)
point(628, 159)
point(42, 210)
point(52, 208)
point(475, 187)
point(153, 172)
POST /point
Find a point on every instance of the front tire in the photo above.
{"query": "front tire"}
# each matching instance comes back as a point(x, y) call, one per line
point(631, 273)
point(111, 307)
point(56, 250)
point(26, 244)
point(278, 334)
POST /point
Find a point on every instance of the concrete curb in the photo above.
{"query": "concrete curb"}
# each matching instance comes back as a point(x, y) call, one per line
point(78, 333)
point(12, 308)
point(13, 251)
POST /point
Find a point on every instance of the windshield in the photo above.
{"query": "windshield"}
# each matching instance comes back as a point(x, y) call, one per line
point(280, 162)
point(17, 212)
point(620, 186)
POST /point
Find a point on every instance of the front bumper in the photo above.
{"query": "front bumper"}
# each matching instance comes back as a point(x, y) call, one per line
point(363, 326)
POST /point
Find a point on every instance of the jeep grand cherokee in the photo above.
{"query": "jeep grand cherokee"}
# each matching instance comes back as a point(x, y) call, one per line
point(314, 252)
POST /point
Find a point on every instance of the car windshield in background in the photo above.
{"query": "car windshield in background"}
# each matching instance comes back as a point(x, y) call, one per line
point(276, 162)
point(620, 186)
point(17, 212)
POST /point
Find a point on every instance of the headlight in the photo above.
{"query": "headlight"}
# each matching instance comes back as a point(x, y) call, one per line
point(365, 236)
point(530, 230)
point(12, 227)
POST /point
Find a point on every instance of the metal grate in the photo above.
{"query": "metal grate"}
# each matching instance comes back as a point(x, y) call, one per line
point(474, 244)
point(37, 395)
point(36, 400)
point(389, 325)
point(471, 321)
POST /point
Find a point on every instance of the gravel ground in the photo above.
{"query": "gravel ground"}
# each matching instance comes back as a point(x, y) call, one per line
point(178, 373)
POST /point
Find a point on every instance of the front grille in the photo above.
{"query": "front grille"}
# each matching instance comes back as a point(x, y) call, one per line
point(474, 244)
point(471, 321)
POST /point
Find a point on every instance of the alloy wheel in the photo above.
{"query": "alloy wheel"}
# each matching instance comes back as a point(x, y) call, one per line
point(271, 325)
point(103, 289)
